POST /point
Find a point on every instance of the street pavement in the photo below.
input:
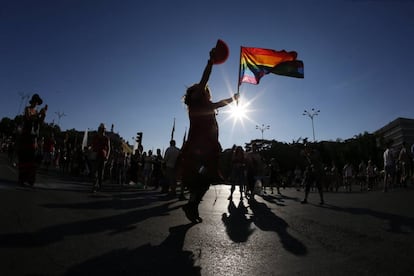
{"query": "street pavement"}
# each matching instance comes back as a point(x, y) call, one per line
point(60, 228)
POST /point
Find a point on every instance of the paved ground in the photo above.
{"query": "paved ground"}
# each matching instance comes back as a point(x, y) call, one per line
point(60, 228)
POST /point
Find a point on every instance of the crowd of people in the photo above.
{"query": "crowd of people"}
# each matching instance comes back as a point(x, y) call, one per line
point(251, 172)
point(195, 166)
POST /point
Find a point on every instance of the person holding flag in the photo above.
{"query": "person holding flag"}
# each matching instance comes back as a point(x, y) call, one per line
point(200, 153)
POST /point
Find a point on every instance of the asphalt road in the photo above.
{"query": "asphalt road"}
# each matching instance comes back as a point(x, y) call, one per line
point(61, 228)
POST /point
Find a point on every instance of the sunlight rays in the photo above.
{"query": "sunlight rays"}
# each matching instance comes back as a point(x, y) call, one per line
point(241, 114)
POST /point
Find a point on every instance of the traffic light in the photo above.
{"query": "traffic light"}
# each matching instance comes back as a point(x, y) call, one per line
point(139, 138)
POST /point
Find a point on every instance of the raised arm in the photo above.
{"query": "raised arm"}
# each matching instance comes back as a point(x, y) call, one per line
point(225, 101)
point(207, 70)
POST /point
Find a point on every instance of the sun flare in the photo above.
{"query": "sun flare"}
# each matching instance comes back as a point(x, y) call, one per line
point(238, 112)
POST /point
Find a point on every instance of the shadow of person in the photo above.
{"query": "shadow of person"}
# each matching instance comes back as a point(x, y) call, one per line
point(396, 223)
point(238, 226)
point(168, 258)
point(272, 199)
point(115, 224)
point(112, 202)
point(266, 220)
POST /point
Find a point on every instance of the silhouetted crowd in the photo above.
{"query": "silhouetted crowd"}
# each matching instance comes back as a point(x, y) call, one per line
point(249, 170)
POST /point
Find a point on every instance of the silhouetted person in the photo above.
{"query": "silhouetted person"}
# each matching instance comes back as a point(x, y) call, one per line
point(274, 175)
point(370, 175)
point(28, 141)
point(101, 147)
point(48, 150)
point(157, 173)
point(313, 173)
point(348, 174)
point(389, 167)
point(170, 159)
point(201, 151)
point(238, 173)
point(254, 166)
point(147, 168)
point(405, 165)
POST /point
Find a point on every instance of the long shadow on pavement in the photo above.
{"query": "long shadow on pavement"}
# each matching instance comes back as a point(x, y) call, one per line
point(278, 199)
point(168, 258)
point(117, 223)
point(266, 220)
point(238, 226)
point(115, 202)
point(396, 222)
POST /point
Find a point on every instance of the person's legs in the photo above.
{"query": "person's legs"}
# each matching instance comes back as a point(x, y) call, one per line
point(307, 189)
point(386, 179)
point(320, 190)
point(198, 186)
point(97, 174)
point(232, 188)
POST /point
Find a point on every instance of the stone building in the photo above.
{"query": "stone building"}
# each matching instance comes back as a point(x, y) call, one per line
point(400, 130)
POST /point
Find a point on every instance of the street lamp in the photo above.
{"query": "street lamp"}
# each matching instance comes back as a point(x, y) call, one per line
point(311, 114)
point(262, 128)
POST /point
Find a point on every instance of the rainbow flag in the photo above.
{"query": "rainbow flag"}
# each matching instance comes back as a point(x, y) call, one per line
point(257, 62)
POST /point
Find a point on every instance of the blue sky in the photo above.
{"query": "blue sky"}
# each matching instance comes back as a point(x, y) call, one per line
point(128, 64)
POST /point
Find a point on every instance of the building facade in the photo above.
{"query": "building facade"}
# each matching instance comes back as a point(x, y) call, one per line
point(400, 130)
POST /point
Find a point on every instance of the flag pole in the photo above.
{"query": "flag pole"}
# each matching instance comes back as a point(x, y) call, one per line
point(184, 138)
point(172, 131)
point(238, 77)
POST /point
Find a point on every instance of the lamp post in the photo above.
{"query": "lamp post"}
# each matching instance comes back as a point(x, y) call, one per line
point(262, 128)
point(312, 113)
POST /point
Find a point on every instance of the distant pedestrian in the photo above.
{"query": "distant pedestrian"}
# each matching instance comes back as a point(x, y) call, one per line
point(28, 141)
point(404, 161)
point(362, 176)
point(133, 170)
point(157, 173)
point(49, 151)
point(238, 173)
point(170, 159)
point(275, 178)
point(389, 167)
point(101, 148)
point(297, 178)
point(348, 176)
point(370, 175)
point(254, 166)
point(336, 178)
point(147, 168)
point(313, 173)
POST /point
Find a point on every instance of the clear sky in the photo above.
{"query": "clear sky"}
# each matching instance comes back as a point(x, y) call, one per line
point(128, 63)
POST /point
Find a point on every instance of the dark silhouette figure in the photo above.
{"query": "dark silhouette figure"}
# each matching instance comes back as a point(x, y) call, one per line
point(200, 153)
point(238, 173)
point(266, 220)
point(238, 226)
point(101, 146)
point(313, 173)
point(28, 141)
point(168, 258)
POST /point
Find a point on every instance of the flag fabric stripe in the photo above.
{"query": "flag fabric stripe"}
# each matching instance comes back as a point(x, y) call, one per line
point(292, 68)
point(257, 62)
